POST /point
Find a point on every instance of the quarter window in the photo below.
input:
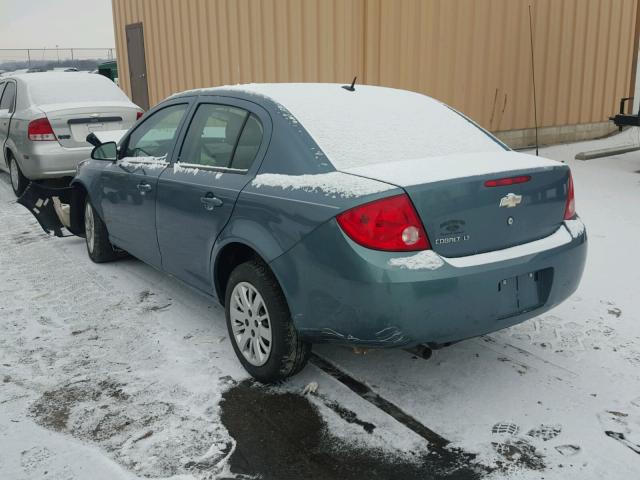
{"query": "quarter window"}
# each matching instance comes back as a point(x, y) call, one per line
point(8, 97)
point(212, 135)
point(248, 144)
point(155, 136)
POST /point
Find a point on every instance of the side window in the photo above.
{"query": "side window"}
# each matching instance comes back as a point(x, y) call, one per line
point(155, 136)
point(212, 135)
point(248, 145)
point(8, 97)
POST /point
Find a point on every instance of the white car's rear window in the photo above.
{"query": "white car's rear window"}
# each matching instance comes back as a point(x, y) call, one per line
point(376, 125)
point(71, 87)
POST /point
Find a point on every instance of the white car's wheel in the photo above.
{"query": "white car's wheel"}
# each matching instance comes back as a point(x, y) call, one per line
point(18, 181)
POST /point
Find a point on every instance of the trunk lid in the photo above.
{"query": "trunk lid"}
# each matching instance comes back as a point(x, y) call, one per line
point(72, 123)
point(462, 216)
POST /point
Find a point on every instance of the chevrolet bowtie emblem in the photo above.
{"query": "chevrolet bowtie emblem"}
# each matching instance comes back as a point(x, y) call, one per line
point(511, 200)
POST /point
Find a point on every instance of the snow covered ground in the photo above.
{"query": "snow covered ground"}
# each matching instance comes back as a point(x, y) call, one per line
point(117, 372)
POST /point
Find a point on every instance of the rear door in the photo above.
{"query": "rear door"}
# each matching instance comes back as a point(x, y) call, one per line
point(128, 187)
point(196, 195)
point(7, 107)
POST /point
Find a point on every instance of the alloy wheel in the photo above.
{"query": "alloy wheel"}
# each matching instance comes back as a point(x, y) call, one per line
point(15, 175)
point(250, 324)
point(89, 227)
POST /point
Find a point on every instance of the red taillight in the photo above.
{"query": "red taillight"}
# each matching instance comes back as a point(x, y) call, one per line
point(40, 130)
point(503, 182)
point(570, 206)
point(138, 115)
point(390, 224)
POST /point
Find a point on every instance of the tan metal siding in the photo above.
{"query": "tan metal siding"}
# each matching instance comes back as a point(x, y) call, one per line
point(472, 54)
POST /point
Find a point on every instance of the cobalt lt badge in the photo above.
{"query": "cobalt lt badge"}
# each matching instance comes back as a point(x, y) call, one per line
point(511, 200)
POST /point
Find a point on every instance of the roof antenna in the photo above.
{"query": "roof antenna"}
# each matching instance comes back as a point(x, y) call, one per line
point(351, 87)
point(533, 74)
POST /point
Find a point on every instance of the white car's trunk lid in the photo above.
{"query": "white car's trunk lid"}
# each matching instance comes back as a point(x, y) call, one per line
point(72, 123)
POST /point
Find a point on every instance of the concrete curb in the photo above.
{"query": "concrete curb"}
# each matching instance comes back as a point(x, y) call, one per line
point(607, 152)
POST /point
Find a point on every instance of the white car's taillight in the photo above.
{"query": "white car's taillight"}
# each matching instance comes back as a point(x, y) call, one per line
point(40, 130)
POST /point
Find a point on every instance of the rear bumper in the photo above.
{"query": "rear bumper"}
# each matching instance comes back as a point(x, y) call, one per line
point(51, 160)
point(341, 292)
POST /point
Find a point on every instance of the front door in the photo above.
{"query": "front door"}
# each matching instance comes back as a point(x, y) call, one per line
point(196, 195)
point(128, 187)
point(7, 106)
point(137, 65)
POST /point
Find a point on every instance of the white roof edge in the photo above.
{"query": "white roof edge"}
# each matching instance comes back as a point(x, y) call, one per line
point(27, 77)
point(263, 89)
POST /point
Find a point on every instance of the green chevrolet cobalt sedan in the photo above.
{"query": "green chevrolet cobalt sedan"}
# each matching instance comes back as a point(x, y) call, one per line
point(363, 216)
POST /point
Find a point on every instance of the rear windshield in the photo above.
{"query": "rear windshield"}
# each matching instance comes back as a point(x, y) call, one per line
point(72, 87)
point(377, 125)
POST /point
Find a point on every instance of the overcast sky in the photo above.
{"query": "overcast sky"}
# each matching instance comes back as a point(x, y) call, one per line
point(47, 23)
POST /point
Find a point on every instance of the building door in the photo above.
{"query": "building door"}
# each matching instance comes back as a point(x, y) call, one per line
point(137, 65)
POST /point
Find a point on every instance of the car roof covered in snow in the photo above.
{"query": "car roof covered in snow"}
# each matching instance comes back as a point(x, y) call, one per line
point(51, 76)
point(69, 87)
point(371, 124)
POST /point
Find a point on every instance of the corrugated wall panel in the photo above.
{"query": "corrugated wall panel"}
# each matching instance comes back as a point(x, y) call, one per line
point(475, 55)
point(472, 54)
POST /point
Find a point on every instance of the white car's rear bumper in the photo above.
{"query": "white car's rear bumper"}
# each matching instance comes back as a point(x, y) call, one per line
point(51, 160)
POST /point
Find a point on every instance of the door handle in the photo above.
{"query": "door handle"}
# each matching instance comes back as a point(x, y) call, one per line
point(210, 201)
point(143, 188)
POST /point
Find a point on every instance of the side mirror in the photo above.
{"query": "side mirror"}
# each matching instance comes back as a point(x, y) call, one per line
point(107, 151)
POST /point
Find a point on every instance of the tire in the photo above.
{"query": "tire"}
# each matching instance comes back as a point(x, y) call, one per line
point(99, 247)
point(287, 352)
point(18, 181)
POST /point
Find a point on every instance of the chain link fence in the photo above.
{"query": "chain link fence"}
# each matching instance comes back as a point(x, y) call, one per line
point(50, 58)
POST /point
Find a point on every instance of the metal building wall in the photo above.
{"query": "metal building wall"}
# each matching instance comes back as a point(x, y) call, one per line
point(194, 43)
point(472, 54)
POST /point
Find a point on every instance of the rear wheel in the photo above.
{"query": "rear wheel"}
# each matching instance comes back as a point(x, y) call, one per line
point(99, 247)
point(18, 181)
point(260, 326)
